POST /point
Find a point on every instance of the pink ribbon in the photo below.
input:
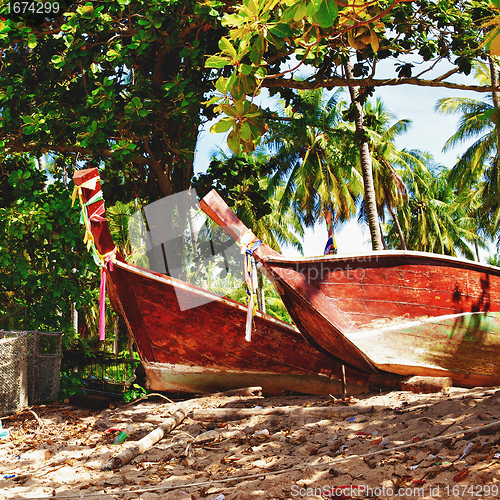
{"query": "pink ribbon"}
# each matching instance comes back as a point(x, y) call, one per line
point(102, 298)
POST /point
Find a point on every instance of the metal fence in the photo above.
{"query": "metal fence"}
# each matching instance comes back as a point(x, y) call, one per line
point(30, 364)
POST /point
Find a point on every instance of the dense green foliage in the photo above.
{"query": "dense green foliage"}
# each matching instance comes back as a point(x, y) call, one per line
point(45, 266)
point(268, 41)
point(119, 83)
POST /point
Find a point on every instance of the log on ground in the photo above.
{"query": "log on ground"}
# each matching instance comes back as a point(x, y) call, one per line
point(136, 448)
point(228, 414)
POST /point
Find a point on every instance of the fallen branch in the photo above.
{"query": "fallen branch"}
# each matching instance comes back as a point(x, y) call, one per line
point(148, 396)
point(125, 456)
point(219, 435)
point(227, 414)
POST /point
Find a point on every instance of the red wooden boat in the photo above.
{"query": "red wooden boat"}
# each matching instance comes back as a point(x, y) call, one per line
point(203, 349)
point(408, 313)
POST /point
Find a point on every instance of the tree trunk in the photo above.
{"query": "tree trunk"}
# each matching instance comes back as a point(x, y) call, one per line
point(366, 165)
point(494, 82)
point(384, 244)
point(323, 412)
point(398, 226)
point(476, 247)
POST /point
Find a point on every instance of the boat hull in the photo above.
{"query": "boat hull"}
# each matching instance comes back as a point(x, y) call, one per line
point(408, 313)
point(203, 349)
point(200, 380)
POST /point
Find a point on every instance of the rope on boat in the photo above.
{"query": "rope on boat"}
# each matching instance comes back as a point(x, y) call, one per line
point(248, 244)
point(328, 463)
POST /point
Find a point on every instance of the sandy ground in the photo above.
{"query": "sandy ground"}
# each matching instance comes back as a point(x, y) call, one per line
point(391, 445)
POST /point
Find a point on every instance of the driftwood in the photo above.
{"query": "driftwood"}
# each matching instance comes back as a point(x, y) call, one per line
point(146, 442)
point(228, 414)
point(414, 384)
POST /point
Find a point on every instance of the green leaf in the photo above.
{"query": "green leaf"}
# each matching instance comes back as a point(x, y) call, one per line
point(246, 131)
point(222, 125)
point(32, 42)
point(282, 30)
point(326, 14)
point(233, 142)
point(301, 11)
point(112, 54)
point(217, 62)
point(245, 69)
point(226, 46)
point(86, 10)
point(316, 4)
point(289, 13)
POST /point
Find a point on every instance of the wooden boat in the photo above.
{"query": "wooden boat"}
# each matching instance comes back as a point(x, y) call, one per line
point(203, 349)
point(408, 313)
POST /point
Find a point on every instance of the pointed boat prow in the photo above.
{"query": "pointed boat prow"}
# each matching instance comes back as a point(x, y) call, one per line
point(190, 340)
point(217, 209)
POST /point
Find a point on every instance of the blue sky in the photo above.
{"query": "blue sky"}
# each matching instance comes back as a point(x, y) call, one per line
point(429, 132)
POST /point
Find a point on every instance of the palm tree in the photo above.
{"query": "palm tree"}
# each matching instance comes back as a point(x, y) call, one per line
point(436, 219)
point(479, 166)
point(390, 189)
point(361, 140)
point(315, 158)
point(118, 217)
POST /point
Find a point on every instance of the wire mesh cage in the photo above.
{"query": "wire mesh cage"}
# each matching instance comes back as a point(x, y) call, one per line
point(13, 371)
point(44, 366)
point(30, 364)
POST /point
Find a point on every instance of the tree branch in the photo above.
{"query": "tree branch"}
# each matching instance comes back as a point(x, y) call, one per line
point(372, 82)
point(107, 153)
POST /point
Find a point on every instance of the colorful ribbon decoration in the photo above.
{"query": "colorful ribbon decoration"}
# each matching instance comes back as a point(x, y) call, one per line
point(105, 262)
point(331, 246)
point(250, 277)
point(107, 265)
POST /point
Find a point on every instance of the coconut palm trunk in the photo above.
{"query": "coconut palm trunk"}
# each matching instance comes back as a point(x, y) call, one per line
point(494, 82)
point(398, 226)
point(366, 165)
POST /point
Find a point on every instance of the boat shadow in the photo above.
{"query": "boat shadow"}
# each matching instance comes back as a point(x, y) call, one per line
point(473, 338)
